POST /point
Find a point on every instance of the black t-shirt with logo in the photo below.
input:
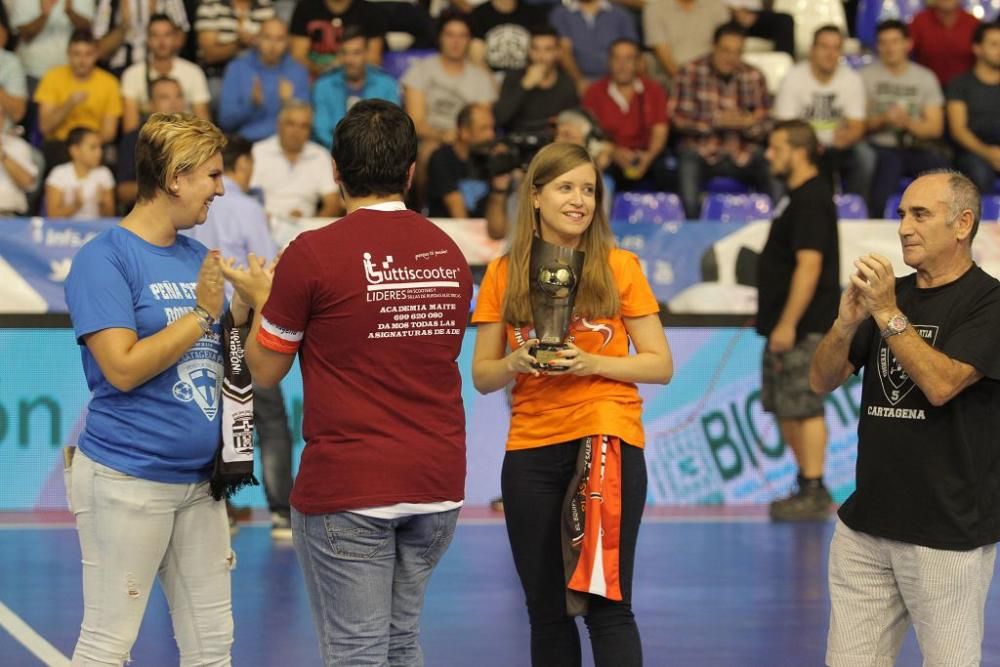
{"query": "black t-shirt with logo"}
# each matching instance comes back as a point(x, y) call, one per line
point(507, 36)
point(313, 19)
point(804, 220)
point(931, 475)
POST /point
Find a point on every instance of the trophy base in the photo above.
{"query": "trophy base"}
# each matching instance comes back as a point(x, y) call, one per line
point(548, 352)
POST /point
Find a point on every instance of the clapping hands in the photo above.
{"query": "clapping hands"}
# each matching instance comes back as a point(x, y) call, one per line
point(874, 288)
point(252, 282)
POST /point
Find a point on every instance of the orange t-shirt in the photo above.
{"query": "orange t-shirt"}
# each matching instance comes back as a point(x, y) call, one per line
point(551, 409)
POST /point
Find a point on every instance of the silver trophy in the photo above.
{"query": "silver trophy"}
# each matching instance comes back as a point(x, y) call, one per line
point(555, 274)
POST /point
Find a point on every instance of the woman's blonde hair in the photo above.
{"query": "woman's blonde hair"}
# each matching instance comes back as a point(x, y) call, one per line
point(169, 144)
point(597, 294)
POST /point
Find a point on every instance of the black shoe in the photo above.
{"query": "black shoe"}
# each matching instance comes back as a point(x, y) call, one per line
point(808, 503)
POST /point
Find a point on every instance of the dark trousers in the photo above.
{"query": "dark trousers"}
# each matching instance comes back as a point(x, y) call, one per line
point(656, 177)
point(979, 170)
point(534, 483)
point(271, 422)
point(892, 165)
point(693, 171)
point(779, 28)
point(854, 166)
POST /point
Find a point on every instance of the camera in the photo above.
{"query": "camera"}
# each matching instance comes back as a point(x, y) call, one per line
point(518, 150)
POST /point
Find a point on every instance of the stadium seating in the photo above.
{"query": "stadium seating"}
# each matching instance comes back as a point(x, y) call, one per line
point(984, 10)
point(656, 207)
point(851, 207)
point(725, 184)
point(397, 62)
point(872, 12)
point(890, 207)
point(810, 15)
point(991, 208)
point(735, 208)
point(774, 65)
point(857, 61)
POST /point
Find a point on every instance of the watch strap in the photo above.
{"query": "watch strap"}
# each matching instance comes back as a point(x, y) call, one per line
point(205, 319)
point(893, 330)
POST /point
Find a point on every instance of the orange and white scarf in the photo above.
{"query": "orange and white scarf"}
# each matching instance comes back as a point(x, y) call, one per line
point(591, 526)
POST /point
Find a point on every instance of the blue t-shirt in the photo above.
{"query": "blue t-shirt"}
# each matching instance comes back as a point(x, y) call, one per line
point(168, 428)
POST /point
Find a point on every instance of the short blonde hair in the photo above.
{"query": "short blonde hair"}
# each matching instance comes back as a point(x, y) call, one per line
point(169, 144)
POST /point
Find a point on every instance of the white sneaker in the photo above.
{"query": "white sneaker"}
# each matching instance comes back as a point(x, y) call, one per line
point(281, 527)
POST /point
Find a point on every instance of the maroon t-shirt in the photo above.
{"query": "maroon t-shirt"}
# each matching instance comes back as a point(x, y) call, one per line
point(946, 50)
point(380, 300)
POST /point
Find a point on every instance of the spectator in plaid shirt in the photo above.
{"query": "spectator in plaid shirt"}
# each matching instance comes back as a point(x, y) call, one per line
point(720, 112)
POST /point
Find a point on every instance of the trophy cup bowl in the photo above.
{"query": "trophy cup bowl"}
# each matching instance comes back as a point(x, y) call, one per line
point(555, 275)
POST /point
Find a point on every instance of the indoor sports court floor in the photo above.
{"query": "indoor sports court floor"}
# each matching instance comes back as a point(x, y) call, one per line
point(713, 588)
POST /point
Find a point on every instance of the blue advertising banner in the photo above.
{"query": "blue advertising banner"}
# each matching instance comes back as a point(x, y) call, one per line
point(695, 268)
point(707, 440)
point(35, 256)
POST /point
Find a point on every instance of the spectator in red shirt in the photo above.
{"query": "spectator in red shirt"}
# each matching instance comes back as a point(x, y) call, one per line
point(720, 108)
point(942, 39)
point(375, 308)
point(633, 112)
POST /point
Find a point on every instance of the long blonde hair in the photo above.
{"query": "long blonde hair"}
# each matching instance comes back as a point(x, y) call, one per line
point(170, 144)
point(597, 294)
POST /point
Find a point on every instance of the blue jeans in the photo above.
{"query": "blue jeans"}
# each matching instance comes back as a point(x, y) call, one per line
point(693, 171)
point(978, 170)
point(855, 166)
point(366, 579)
point(894, 164)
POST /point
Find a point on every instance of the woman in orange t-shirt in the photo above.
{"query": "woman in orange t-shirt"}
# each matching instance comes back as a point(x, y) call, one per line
point(574, 477)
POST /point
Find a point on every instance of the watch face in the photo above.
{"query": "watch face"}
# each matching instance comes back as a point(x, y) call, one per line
point(897, 323)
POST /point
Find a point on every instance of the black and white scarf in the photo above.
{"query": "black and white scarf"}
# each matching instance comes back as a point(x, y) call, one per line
point(233, 465)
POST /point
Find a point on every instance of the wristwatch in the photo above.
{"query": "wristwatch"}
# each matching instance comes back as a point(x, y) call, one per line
point(205, 319)
point(895, 325)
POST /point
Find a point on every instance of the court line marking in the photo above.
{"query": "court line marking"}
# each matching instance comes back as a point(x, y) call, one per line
point(25, 635)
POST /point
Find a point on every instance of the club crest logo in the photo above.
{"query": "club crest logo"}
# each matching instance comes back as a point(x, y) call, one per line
point(896, 382)
point(199, 382)
point(243, 432)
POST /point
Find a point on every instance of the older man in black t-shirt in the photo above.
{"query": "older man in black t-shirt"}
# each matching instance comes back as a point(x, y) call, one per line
point(917, 539)
point(798, 285)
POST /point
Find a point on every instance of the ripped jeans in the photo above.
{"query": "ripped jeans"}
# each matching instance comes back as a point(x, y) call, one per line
point(133, 530)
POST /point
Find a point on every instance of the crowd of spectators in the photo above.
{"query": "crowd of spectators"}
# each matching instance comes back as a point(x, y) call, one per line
point(662, 86)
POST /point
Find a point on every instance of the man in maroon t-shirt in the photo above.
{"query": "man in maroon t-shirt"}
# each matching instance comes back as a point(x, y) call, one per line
point(942, 39)
point(375, 305)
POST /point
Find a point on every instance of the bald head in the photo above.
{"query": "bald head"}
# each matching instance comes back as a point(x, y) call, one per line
point(955, 192)
point(938, 218)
